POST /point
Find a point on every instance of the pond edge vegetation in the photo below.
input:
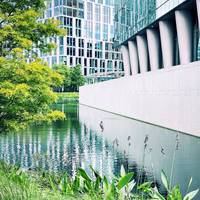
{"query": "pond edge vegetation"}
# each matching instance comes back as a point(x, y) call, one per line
point(16, 183)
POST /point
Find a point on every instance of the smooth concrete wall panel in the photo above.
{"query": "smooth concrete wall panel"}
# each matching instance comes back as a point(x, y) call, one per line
point(132, 46)
point(167, 43)
point(184, 33)
point(153, 41)
point(142, 52)
point(166, 97)
point(126, 60)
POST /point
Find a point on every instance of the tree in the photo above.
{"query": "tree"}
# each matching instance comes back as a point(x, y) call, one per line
point(20, 27)
point(26, 88)
point(73, 77)
point(77, 79)
point(65, 72)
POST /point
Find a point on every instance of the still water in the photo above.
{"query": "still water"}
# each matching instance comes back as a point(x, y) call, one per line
point(105, 141)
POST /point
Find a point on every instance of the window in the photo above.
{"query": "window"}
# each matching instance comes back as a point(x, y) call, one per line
point(81, 43)
point(97, 31)
point(106, 14)
point(89, 11)
point(78, 23)
point(97, 13)
point(85, 61)
point(71, 60)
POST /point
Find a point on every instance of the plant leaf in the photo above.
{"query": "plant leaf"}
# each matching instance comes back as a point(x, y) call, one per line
point(191, 195)
point(105, 182)
point(189, 184)
point(122, 171)
point(97, 175)
point(84, 174)
point(157, 196)
point(131, 185)
point(124, 180)
point(165, 180)
point(176, 193)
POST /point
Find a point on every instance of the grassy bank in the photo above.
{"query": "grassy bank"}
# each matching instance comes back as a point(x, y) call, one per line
point(16, 184)
point(67, 96)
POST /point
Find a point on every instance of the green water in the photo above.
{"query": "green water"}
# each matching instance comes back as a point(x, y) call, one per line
point(105, 141)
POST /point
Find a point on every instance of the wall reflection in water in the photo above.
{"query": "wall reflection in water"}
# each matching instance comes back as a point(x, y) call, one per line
point(105, 141)
point(153, 148)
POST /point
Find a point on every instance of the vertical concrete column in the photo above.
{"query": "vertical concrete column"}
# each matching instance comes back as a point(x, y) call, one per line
point(198, 11)
point(142, 52)
point(132, 46)
point(126, 60)
point(167, 43)
point(184, 33)
point(153, 41)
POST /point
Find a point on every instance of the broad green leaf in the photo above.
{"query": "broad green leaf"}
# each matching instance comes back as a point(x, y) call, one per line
point(191, 195)
point(97, 175)
point(105, 183)
point(84, 174)
point(88, 185)
point(97, 183)
point(165, 180)
point(124, 180)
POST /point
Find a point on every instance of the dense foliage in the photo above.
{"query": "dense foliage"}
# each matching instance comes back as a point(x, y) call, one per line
point(16, 184)
point(25, 93)
point(25, 88)
point(73, 77)
point(20, 27)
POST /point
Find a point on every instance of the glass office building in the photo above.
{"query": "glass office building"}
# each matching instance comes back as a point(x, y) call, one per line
point(89, 40)
point(156, 34)
point(131, 16)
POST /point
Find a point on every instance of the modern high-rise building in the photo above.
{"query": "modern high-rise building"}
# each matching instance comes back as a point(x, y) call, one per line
point(89, 40)
point(155, 34)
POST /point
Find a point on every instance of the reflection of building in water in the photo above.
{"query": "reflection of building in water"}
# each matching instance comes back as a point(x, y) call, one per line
point(59, 150)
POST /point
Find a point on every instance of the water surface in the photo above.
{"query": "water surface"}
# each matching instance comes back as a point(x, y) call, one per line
point(105, 141)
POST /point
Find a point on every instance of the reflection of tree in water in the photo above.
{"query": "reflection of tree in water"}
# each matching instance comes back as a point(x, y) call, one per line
point(65, 146)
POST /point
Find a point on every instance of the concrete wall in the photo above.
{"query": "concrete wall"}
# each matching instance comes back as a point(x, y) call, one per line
point(167, 97)
point(186, 164)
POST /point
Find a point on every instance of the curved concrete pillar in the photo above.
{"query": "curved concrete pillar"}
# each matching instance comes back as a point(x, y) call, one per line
point(133, 56)
point(167, 43)
point(198, 11)
point(142, 53)
point(184, 33)
point(126, 60)
point(153, 41)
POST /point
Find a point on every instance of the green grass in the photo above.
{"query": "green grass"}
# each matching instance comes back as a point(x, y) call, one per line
point(16, 184)
point(67, 96)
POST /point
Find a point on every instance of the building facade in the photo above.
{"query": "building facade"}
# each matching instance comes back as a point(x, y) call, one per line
point(89, 40)
point(156, 34)
point(159, 41)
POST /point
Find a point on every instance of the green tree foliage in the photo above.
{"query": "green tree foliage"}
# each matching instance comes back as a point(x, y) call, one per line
point(65, 72)
point(77, 78)
point(73, 77)
point(20, 28)
point(25, 87)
